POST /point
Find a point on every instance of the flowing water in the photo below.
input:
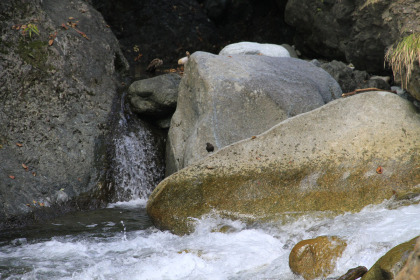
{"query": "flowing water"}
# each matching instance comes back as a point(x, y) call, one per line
point(120, 242)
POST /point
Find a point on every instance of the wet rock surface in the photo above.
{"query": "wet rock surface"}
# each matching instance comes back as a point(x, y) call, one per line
point(56, 107)
point(311, 162)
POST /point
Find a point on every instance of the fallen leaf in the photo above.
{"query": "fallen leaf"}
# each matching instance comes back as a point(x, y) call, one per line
point(70, 18)
point(19, 144)
point(209, 167)
point(107, 26)
point(12, 177)
point(64, 26)
point(33, 174)
point(78, 179)
point(28, 205)
point(258, 158)
point(379, 170)
point(253, 137)
point(24, 166)
point(41, 204)
point(50, 42)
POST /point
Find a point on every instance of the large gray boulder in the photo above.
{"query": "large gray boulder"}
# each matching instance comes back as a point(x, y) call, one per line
point(224, 99)
point(55, 108)
point(341, 157)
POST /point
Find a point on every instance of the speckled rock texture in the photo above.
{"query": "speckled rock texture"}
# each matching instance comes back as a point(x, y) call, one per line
point(224, 99)
point(56, 103)
point(389, 266)
point(411, 270)
point(313, 258)
point(349, 153)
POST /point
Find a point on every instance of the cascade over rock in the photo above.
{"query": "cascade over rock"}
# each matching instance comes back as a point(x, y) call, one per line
point(345, 155)
point(55, 108)
point(224, 99)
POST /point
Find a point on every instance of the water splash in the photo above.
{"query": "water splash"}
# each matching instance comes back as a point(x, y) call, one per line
point(138, 165)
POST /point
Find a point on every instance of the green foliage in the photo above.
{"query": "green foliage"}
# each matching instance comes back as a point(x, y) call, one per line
point(403, 56)
point(29, 29)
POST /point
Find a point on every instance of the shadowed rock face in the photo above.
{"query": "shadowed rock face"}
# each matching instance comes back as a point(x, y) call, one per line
point(351, 30)
point(224, 99)
point(324, 160)
point(56, 103)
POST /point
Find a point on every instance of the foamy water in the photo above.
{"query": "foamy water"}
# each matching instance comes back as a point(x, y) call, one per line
point(240, 253)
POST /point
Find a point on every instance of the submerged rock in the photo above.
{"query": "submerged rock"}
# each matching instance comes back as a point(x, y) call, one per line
point(349, 153)
point(313, 258)
point(224, 99)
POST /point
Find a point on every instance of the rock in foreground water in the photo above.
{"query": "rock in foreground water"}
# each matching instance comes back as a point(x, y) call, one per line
point(313, 258)
point(341, 157)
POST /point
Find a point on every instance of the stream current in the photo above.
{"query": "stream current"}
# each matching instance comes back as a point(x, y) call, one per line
point(120, 242)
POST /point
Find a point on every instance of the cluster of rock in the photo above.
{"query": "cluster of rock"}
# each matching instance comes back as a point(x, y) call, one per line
point(355, 31)
point(285, 143)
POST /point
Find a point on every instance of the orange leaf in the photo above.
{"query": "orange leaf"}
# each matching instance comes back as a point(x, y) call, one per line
point(33, 174)
point(24, 166)
point(12, 177)
point(19, 145)
point(50, 42)
point(70, 18)
point(379, 170)
point(28, 205)
point(41, 204)
point(253, 137)
point(64, 26)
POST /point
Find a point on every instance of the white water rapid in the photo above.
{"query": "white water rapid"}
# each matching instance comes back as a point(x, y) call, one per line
point(240, 253)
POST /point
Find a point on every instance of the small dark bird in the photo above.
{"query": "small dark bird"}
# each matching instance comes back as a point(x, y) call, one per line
point(154, 64)
point(209, 147)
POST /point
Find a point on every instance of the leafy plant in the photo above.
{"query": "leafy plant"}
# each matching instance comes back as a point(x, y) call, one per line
point(30, 28)
point(403, 56)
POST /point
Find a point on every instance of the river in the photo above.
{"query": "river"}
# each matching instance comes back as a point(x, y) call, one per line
point(120, 242)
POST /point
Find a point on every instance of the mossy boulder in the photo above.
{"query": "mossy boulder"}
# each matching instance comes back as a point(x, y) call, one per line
point(411, 270)
point(341, 157)
point(388, 266)
point(313, 258)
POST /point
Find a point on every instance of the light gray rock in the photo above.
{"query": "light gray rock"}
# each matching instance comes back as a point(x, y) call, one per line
point(156, 96)
point(226, 99)
point(256, 49)
point(325, 161)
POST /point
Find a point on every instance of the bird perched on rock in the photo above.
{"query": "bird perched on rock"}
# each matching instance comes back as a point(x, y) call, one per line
point(154, 64)
point(209, 147)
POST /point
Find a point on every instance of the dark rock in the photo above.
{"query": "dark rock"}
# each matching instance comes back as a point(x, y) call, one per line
point(345, 76)
point(209, 147)
point(354, 273)
point(351, 31)
point(166, 29)
point(155, 97)
point(56, 103)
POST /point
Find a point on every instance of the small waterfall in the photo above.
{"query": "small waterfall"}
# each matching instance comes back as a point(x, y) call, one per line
point(138, 161)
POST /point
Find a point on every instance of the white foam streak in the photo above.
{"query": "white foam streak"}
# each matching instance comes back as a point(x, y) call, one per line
point(239, 253)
